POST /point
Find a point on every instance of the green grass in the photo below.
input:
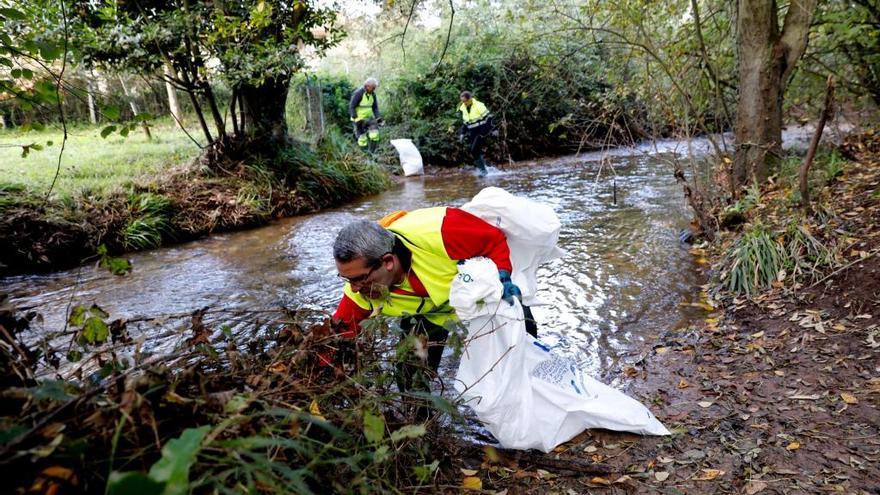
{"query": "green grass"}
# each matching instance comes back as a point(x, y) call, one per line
point(90, 164)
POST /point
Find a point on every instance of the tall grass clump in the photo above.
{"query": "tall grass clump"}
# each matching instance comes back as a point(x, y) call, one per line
point(335, 171)
point(755, 262)
point(805, 254)
point(149, 223)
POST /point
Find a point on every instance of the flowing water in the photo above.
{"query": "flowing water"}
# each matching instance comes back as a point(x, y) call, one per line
point(622, 282)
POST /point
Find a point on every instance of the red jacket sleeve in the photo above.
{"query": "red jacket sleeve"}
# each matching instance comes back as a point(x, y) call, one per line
point(349, 313)
point(467, 236)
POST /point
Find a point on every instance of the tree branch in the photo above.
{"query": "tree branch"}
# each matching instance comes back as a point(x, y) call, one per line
point(795, 35)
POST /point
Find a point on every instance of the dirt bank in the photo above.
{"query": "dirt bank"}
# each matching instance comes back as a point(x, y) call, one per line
point(187, 203)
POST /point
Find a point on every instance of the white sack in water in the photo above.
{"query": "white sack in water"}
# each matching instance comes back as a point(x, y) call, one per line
point(410, 158)
point(527, 397)
point(532, 230)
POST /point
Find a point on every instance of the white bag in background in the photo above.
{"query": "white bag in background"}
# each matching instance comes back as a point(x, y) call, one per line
point(527, 397)
point(410, 158)
point(532, 231)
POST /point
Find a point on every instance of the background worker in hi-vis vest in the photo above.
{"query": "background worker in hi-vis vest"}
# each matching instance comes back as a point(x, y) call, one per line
point(364, 111)
point(477, 125)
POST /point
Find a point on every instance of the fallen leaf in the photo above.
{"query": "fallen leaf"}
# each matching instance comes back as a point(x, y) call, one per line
point(622, 479)
point(778, 372)
point(709, 474)
point(590, 449)
point(849, 398)
point(598, 480)
point(468, 472)
point(704, 404)
point(316, 411)
point(661, 475)
point(754, 486)
point(279, 368)
point(472, 483)
point(683, 383)
point(661, 350)
point(793, 446)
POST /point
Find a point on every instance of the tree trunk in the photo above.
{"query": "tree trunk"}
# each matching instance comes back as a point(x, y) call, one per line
point(767, 59)
point(130, 95)
point(173, 104)
point(90, 94)
point(263, 112)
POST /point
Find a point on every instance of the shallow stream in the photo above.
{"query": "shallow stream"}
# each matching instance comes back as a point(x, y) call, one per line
point(622, 282)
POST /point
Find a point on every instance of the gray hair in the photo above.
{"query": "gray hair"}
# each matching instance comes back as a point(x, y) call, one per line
point(371, 81)
point(363, 239)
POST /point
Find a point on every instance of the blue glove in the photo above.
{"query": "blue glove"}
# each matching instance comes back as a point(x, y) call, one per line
point(510, 288)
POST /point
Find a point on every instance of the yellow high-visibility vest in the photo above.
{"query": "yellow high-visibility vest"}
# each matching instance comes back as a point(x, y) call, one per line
point(475, 113)
point(419, 230)
point(364, 109)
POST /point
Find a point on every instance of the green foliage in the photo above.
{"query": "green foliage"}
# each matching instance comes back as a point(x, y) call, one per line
point(334, 172)
point(844, 42)
point(374, 427)
point(91, 324)
point(761, 257)
point(170, 474)
point(755, 261)
point(53, 390)
point(748, 201)
point(149, 223)
point(116, 266)
point(833, 166)
point(538, 110)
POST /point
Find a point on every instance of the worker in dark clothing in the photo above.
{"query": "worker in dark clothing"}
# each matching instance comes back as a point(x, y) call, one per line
point(476, 126)
point(364, 111)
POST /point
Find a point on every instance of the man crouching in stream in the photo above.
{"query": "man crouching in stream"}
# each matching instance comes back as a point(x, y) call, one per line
point(403, 266)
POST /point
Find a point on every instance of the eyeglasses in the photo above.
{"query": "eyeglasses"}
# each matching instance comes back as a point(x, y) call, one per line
point(360, 278)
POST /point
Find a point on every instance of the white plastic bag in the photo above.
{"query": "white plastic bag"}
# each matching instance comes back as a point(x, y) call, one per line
point(527, 397)
point(532, 230)
point(410, 158)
